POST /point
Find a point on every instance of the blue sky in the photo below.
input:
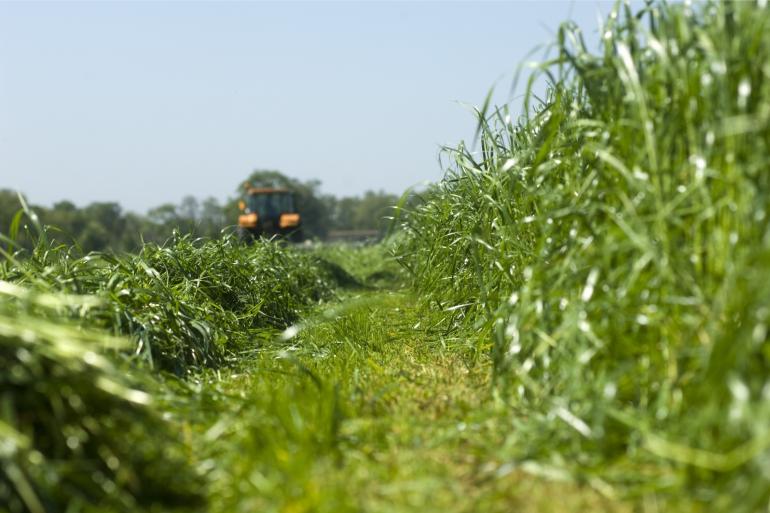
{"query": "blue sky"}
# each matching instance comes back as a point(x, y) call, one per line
point(146, 102)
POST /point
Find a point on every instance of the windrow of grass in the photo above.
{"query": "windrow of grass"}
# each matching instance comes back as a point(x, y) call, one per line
point(186, 304)
point(612, 247)
point(80, 424)
point(78, 430)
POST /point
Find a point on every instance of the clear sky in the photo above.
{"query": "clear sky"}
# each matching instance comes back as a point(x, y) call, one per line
point(145, 102)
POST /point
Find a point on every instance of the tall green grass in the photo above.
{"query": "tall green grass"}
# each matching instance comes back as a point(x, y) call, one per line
point(614, 245)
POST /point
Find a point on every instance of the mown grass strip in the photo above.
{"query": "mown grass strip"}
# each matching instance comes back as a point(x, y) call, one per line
point(368, 408)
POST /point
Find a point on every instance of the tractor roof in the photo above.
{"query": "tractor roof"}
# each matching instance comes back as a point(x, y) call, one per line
point(266, 190)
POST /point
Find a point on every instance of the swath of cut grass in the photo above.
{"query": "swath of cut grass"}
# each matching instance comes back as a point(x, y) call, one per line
point(79, 419)
point(77, 430)
point(187, 303)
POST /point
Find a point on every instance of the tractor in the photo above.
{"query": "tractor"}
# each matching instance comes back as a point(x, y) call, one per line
point(269, 212)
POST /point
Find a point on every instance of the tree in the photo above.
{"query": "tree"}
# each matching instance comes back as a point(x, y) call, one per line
point(96, 237)
point(105, 226)
point(212, 218)
point(372, 209)
point(362, 213)
point(108, 214)
point(189, 208)
point(164, 214)
point(9, 205)
point(69, 221)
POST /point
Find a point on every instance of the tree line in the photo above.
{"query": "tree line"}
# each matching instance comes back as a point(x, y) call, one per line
point(103, 226)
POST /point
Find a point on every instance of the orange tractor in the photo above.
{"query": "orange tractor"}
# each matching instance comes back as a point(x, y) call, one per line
point(269, 212)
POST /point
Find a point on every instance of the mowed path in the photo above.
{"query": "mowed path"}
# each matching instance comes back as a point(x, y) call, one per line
point(371, 407)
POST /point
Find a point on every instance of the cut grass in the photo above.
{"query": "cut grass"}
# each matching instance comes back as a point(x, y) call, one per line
point(187, 304)
point(371, 404)
point(81, 429)
point(76, 428)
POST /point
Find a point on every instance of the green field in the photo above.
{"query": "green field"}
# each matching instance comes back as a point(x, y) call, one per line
point(574, 319)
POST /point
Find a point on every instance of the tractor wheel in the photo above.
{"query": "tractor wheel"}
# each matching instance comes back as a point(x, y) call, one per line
point(297, 236)
point(245, 236)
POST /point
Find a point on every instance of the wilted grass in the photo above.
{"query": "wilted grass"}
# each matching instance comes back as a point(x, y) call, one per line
point(613, 244)
point(77, 429)
point(80, 423)
point(188, 303)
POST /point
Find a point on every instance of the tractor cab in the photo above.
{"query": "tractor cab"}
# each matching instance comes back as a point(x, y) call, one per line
point(269, 212)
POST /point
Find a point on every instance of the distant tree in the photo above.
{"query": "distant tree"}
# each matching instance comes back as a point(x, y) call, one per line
point(163, 215)
point(105, 226)
point(343, 213)
point(138, 229)
point(367, 212)
point(68, 219)
point(96, 237)
point(189, 208)
point(9, 205)
point(109, 215)
point(212, 218)
point(65, 206)
point(372, 210)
